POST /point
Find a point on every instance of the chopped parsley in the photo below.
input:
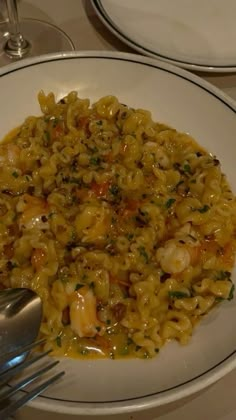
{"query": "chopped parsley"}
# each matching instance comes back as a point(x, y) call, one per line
point(204, 209)
point(78, 286)
point(55, 122)
point(187, 168)
point(231, 293)
point(114, 190)
point(15, 174)
point(143, 253)
point(73, 180)
point(47, 135)
point(95, 160)
point(130, 236)
point(58, 341)
point(223, 275)
point(177, 294)
point(219, 299)
point(99, 122)
point(170, 202)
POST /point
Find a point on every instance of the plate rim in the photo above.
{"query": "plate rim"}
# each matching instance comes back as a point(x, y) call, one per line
point(110, 24)
point(212, 374)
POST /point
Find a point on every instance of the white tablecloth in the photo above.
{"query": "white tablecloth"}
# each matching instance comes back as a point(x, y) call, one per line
point(78, 20)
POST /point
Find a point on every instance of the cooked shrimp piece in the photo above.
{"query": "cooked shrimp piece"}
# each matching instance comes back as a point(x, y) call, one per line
point(83, 315)
point(9, 154)
point(34, 212)
point(173, 258)
point(93, 223)
point(161, 156)
point(38, 258)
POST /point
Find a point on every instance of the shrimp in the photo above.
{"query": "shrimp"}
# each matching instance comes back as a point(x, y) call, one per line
point(93, 223)
point(38, 258)
point(161, 156)
point(9, 154)
point(34, 212)
point(173, 258)
point(176, 257)
point(83, 315)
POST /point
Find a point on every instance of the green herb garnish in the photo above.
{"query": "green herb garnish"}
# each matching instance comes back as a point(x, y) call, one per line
point(95, 160)
point(170, 202)
point(204, 209)
point(78, 286)
point(114, 190)
point(222, 275)
point(130, 236)
point(55, 122)
point(58, 341)
point(143, 253)
point(47, 135)
point(15, 174)
point(219, 299)
point(72, 180)
point(231, 293)
point(177, 294)
point(187, 168)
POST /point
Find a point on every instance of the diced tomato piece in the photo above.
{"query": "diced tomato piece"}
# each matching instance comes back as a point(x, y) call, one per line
point(100, 189)
point(57, 131)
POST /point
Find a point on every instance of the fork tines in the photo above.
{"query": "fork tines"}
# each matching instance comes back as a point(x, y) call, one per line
point(8, 407)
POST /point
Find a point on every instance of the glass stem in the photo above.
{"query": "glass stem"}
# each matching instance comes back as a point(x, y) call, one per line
point(16, 46)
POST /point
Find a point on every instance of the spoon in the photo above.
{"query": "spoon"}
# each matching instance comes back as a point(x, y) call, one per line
point(20, 318)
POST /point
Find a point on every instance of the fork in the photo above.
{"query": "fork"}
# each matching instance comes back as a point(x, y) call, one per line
point(14, 363)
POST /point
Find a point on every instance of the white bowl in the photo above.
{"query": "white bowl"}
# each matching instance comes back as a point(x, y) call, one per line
point(191, 105)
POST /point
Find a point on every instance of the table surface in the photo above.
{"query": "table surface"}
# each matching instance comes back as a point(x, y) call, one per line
point(78, 20)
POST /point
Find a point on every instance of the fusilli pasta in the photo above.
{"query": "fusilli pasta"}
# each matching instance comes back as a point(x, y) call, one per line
point(123, 226)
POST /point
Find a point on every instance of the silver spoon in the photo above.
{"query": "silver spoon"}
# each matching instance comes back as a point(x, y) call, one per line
point(20, 318)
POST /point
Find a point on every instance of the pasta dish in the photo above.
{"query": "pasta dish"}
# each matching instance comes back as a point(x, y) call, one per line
point(123, 226)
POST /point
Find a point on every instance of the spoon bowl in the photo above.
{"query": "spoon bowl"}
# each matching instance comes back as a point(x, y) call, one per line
point(20, 318)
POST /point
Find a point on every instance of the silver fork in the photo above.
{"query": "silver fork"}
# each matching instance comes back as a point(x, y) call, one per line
point(14, 363)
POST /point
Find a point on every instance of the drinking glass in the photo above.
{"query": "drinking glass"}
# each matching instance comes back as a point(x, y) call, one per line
point(29, 37)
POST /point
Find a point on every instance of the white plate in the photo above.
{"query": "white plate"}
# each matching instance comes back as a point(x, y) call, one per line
point(189, 104)
point(197, 35)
